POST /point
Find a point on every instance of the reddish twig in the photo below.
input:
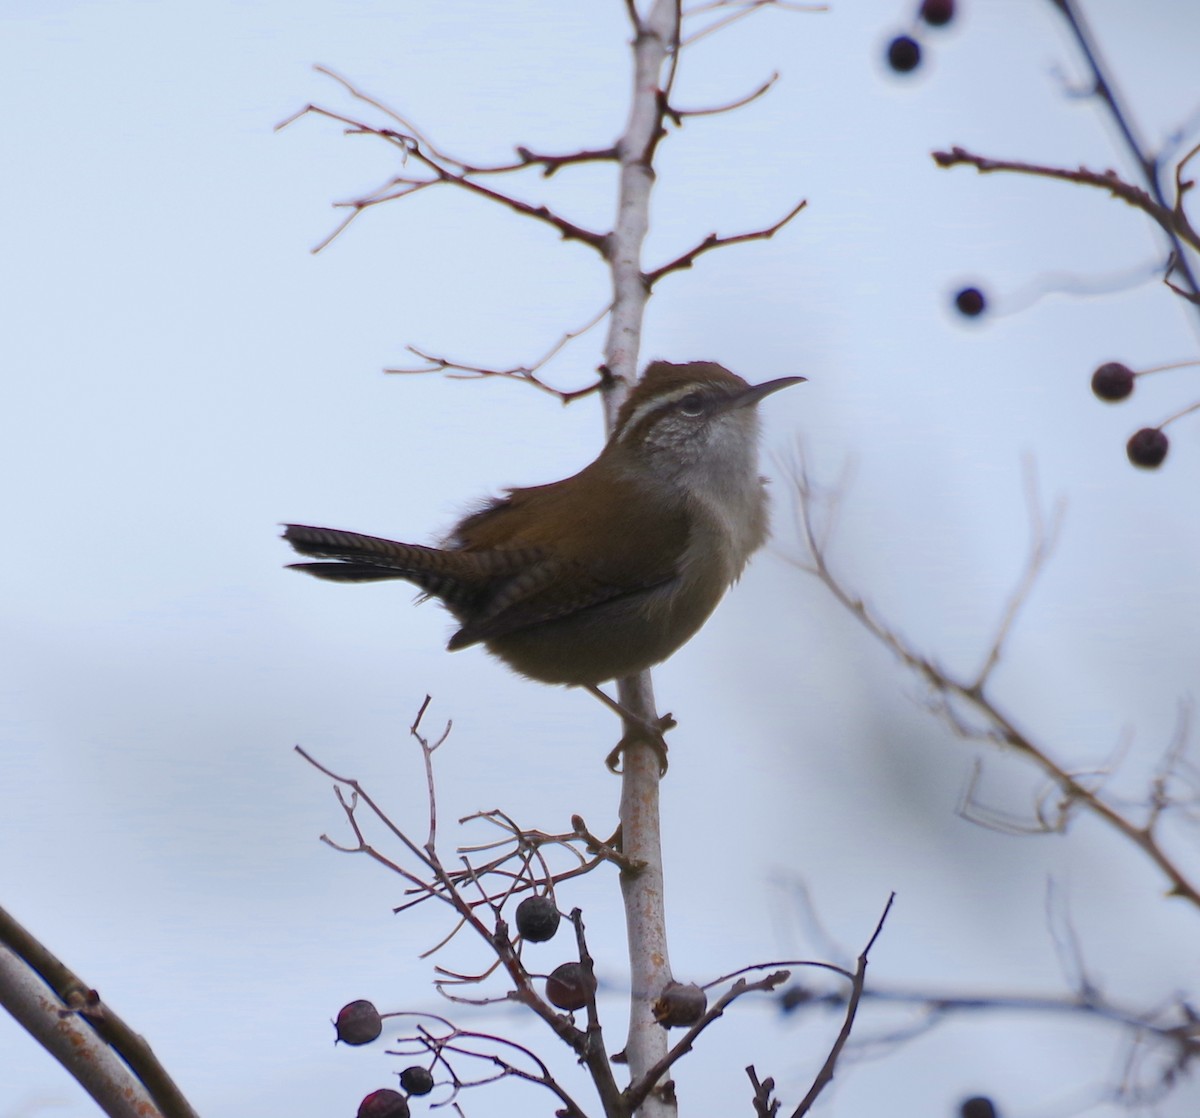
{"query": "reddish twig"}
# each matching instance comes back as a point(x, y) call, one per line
point(442, 168)
point(524, 373)
point(1171, 220)
point(712, 241)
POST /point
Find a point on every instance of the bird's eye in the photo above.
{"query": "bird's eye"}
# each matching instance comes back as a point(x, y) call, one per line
point(692, 404)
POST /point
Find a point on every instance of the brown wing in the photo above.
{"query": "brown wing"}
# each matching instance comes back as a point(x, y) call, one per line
point(602, 540)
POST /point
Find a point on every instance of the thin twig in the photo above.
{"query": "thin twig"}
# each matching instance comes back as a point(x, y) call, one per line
point(457, 370)
point(1001, 728)
point(637, 1092)
point(1165, 216)
point(443, 169)
point(1044, 539)
point(678, 114)
point(1105, 88)
point(713, 240)
point(825, 1075)
point(741, 9)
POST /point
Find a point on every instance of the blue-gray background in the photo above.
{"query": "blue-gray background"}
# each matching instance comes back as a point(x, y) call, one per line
point(180, 375)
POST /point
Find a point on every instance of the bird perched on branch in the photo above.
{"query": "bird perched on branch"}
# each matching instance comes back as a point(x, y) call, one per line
point(605, 573)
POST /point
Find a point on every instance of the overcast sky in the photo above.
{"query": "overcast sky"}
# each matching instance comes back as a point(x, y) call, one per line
point(182, 374)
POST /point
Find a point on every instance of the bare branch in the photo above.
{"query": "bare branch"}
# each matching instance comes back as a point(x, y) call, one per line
point(111, 1060)
point(713, 241)
point(1042, 546)
point(443, 168)
point(1105, 88)
point(825, 1075)
point(678, 114)
point(552, 164)
point(524, 373)
point(1165, 216)
point(637, 1092)
point(1000, 728)
point(737, 10)
point(450, 1041)
point(764, 1105)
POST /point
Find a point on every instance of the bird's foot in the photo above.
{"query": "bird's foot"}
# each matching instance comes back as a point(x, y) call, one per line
point(647, 733)
point(638, 731)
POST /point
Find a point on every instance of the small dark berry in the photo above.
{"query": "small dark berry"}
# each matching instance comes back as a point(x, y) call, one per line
point(937, 13)
point(568, 986)
point(384, 1103)
point(1112, 381)
point(680, 1004)
point(978, 1107)
point(904, 54)
point(970, 301)
point(358, 1023)
point(537, 919)
point(1147, 448)
point(416, 1080)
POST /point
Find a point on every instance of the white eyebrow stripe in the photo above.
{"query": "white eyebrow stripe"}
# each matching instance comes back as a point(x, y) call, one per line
point(656, 403)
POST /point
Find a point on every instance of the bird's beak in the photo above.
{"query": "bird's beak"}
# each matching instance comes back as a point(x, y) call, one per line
point(757, 392)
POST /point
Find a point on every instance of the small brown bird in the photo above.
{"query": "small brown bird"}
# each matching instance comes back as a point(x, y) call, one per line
point(608, 572)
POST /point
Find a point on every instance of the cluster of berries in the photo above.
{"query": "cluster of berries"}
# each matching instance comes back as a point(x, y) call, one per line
point(904, 51)
point(568, 987)
point(1114, 381)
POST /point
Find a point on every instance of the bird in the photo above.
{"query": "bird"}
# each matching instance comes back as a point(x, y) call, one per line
point(608, 572)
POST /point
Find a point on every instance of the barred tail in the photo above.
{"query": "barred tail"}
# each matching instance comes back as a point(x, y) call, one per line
point(458, 578)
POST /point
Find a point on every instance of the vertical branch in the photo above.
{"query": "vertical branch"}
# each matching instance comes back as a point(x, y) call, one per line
point(1148, 165)
point(656, 38)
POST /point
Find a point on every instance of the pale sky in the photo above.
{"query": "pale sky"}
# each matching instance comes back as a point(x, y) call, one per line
point(183, 375)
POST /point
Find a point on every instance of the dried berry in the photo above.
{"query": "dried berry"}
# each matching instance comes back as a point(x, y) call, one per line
point(384, 1103)
point(680, 1004)
point(978, 1107)
point(1147, 448)
point(1112, 381)
point(904, 54)
point(970, 301)
point(937, 13)
point(537, 919)
point(416, 1080)
point(568, 986)
point(358, 1023)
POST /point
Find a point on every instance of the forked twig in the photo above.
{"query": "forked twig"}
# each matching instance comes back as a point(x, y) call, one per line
point(999, 727)
point(443, 169)
point(525, 373)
